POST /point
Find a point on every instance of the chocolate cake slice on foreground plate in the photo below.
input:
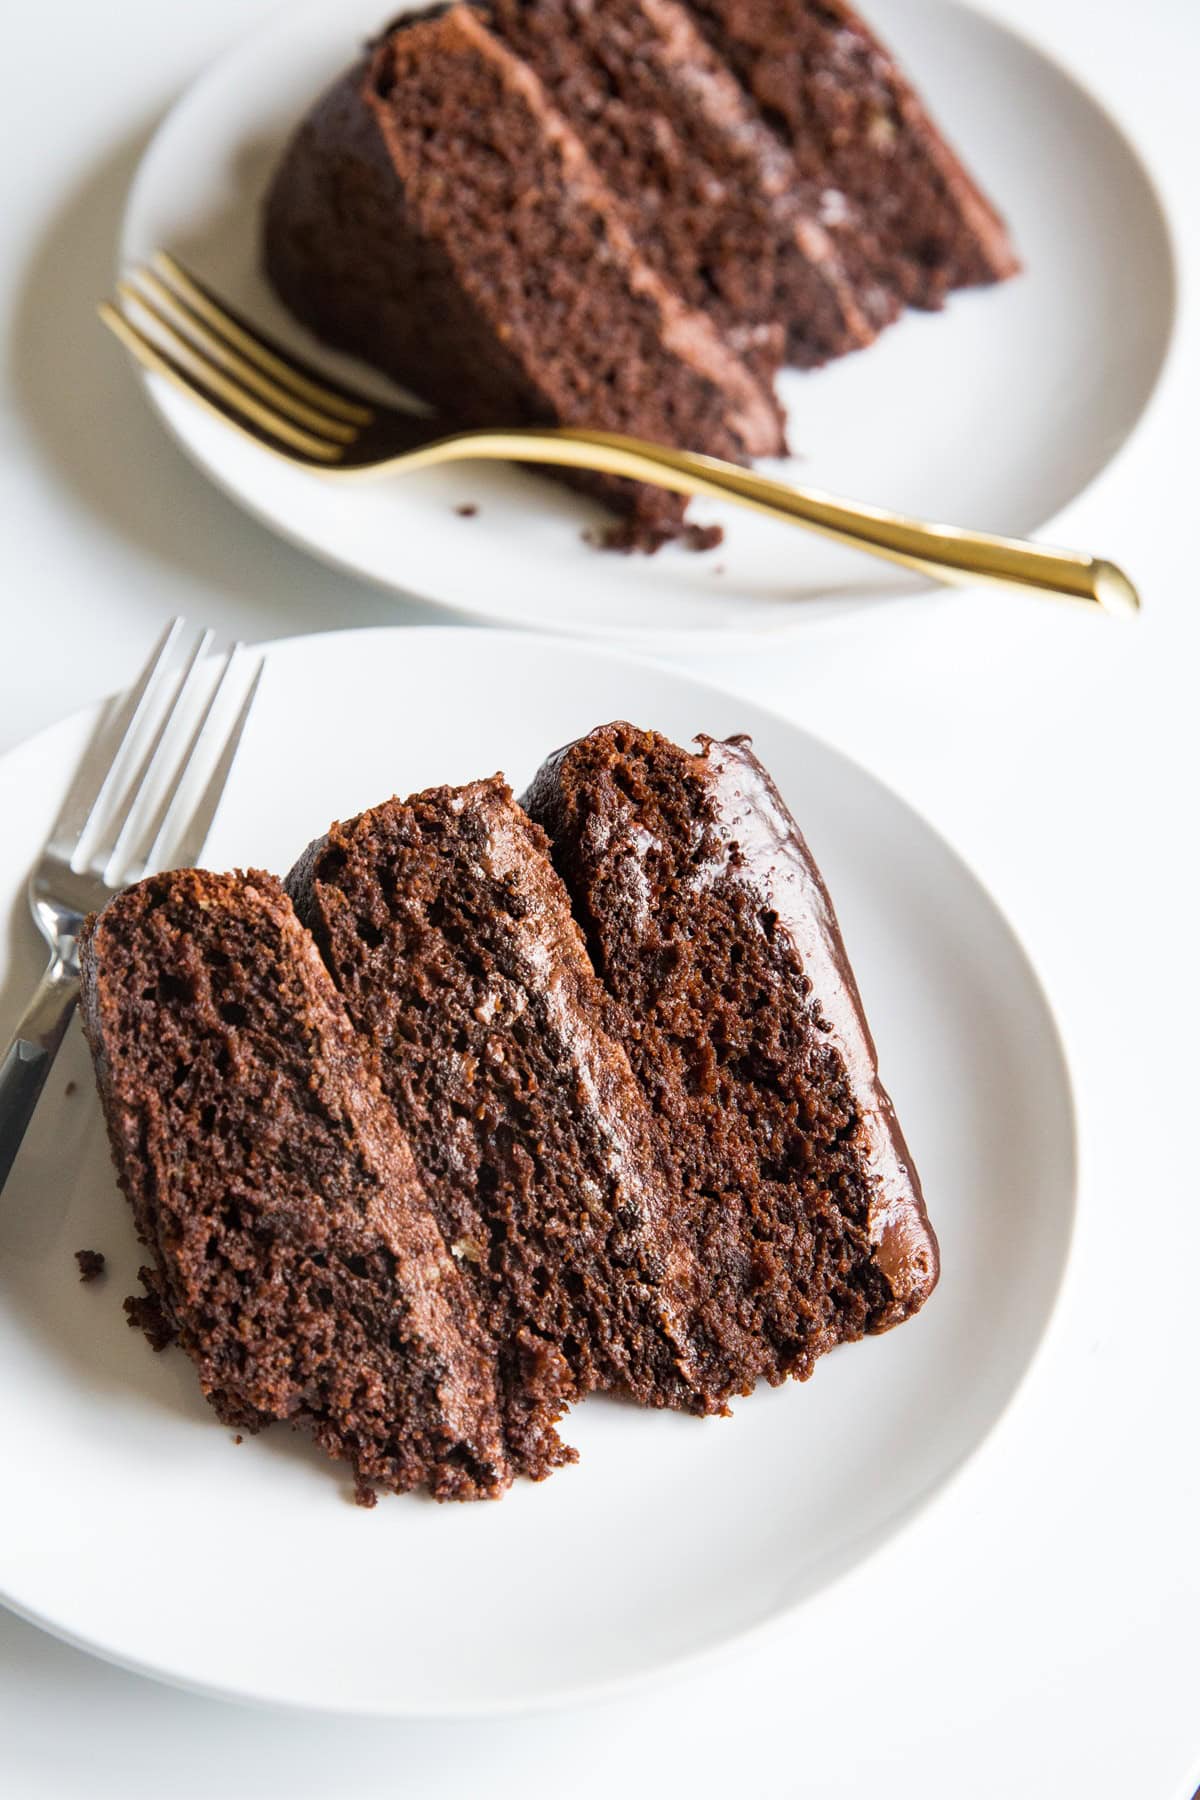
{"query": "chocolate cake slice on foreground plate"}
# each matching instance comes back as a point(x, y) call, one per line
point(436, 215)
point(713, 934)
point(417, 1172)
point(451, 940)
point(294, 1253)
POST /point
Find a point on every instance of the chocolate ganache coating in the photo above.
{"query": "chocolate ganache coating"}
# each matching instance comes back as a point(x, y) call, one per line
point(729, 986)
point(775, 858)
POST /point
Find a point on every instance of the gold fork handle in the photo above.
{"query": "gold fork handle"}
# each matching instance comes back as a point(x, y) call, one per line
point(945, 552)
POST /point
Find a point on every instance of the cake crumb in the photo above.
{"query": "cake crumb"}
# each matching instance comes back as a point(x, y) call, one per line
point(630, 536)
point(70, 1088)
point(703, 537)
point(720, 569)
point(468, 510)
point(91, 1263)
point(145, 1313)
point(238, 1438)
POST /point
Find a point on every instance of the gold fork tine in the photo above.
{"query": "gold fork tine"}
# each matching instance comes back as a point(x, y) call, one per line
point(270, 357)
point(188, 371)
point(157, 301)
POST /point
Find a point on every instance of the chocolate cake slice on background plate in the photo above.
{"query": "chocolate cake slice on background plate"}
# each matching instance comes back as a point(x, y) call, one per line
point(713, 934)
point(436, 215)
point(624, 217)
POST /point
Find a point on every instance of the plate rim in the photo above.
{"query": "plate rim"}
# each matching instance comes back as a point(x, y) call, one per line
point(925, 1505)
point(904, 588)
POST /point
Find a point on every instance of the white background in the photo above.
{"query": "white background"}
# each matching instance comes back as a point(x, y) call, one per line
point(1038, 1632)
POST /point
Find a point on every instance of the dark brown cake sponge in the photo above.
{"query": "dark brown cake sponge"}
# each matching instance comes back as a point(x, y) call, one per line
point(707, 186)
point(713, 933)
point(294, 1253)
point(451, 939)
point(892, 190)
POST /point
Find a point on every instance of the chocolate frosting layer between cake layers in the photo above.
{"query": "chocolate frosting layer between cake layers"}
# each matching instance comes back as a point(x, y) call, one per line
point(452, 941)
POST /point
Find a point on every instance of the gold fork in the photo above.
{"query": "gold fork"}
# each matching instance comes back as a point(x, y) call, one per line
point(200, 344)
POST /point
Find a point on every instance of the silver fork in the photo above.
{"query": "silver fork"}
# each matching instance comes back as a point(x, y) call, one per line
point(129, 812)
point(182, 330)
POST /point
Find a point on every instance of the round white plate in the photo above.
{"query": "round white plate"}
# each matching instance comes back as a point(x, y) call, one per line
point(993, 414)
point(131, 1524)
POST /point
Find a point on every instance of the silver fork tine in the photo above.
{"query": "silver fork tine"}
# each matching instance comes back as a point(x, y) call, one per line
point(304, 380)
point(196, 830)
point(147, 855)
point(144, 289)
point(124, 815)
point(185, 368)
point(117, 732)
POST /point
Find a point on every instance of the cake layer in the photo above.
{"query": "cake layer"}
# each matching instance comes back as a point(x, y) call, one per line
point(887, 181)
point(711, 929)
point(436, 215)
point(452, 942)
point(711, 192)
point(294, 1253)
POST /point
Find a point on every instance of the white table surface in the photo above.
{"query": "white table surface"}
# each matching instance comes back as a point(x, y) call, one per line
point(1036, 1633)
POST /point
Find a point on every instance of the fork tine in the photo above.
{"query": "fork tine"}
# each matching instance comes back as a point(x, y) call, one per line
point(149, 852)
point(300, 376)
point(195, 832)
point(185, 369)
point(157, 300)
point(116, 733)
point(122, 816)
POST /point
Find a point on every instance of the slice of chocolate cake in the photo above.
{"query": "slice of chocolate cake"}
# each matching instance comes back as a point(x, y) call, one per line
point(436, 215)
point(711, 929)
point(711, 192)
point(889, 186)
point(294, 1253)
point(452, 942)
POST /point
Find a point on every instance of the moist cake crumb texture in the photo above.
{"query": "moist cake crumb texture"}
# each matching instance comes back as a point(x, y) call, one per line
point(452, 942)
point(707, 185)
point(889, 188)
point(293, 1252)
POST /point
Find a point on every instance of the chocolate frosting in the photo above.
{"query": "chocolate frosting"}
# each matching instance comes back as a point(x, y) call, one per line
point(772, 854)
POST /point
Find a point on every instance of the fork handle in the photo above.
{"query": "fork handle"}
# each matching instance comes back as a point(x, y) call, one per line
point(28, 1058)
point(947, 553)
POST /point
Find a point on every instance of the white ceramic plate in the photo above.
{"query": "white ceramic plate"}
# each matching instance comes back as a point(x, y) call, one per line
point(131, 1524)
point(994, 414)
